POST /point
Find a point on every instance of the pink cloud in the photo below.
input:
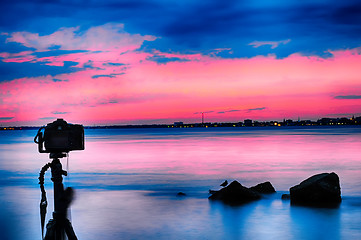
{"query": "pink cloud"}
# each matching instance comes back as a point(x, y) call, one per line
point(17, 57)
point(116, 84)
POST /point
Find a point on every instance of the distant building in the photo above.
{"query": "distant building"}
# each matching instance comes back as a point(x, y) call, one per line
point(177, 124)
point(248, 122)
point(358, 120)
point(327, 121)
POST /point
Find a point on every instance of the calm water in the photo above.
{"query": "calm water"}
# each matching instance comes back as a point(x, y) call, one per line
point(126, 183)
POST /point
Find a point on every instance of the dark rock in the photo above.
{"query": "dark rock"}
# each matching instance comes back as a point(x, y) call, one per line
point(180, 194)
point(235, 194)
point(212, 191)
point(265, 187)
point(286, 196)
point(322, 190)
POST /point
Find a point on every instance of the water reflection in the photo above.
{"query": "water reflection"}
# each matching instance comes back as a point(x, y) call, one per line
point(315, 223)
point(257, 220)
point(127, 181)
point(284, 157)
point(134, 215)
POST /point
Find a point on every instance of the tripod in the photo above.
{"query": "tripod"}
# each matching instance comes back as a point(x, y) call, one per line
point(59, 227)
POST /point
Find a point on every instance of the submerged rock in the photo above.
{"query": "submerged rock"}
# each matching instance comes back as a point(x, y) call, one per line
point(265, 187)
point(235, 194)
point(181, 194)
point(322, 190)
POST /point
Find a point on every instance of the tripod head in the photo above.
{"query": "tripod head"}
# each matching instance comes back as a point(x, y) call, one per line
point(57, 155)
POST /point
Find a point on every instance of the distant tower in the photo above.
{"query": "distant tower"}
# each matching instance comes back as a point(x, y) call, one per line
point(202, 118)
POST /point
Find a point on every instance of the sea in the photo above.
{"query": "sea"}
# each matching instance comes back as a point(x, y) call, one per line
point(127, 181)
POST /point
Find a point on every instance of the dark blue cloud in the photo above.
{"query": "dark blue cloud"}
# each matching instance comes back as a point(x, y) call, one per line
point(112, 75)
point(203, 112)
point(104, 75)
point(113, 64)
point(46, 118)
point(257, 109)
point(164, 60)
point(56, 112)
point(59, 80)
point(12, 47)
point(10, 71)
point(5, 118)
point(238, 110)
point(348, 97)
point(53, 53)
point(233, 110)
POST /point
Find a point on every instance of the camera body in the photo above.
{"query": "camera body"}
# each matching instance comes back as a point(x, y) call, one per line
point(60, 137)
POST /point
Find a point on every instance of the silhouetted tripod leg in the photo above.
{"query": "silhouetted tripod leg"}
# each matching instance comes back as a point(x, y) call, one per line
point(59, 227)
point(69, 230)
point(50, 230)
point(54, 230)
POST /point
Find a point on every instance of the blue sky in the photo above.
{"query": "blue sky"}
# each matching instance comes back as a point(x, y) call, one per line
point(55, 41)
point(313, 26)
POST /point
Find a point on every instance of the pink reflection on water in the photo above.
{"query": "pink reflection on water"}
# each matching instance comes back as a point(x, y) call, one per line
point(283, 157)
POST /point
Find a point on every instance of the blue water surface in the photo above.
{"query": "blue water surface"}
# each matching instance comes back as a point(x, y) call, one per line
point(127, 181)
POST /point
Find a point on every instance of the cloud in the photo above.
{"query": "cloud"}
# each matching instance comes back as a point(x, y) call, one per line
point(5, 118)
point(72, 49)
point(113, 64)
point(57, 53)
point(11, 70)
point(256, 109)
point(61, 113)
point(99, 38)
point(348, 97)
point(112, 75)
point(228, 111)
point(60, 80)
point(164, 60)
point(149, 90)
point(203, 112)
point(46, 118)
point(344, 114)
point(196, 25)
point(238, 110)
point(273, 44)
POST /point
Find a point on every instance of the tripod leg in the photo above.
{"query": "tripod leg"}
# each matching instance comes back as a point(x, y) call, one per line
point(56, 230)
point(50, 230)
point(69, 230)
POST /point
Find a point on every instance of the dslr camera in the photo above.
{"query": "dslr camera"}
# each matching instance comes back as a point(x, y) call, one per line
point(60, 137)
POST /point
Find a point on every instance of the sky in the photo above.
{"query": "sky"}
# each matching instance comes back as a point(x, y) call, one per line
point(100, 62)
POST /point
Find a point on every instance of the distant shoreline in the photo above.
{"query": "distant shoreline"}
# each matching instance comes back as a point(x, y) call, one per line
point(354, 121)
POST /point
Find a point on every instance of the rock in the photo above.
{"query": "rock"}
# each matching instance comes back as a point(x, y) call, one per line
point(322, 190)
point(181, 194)
point(212, 191)
point(265, 187)
point(285, 196)
point(235, 194)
